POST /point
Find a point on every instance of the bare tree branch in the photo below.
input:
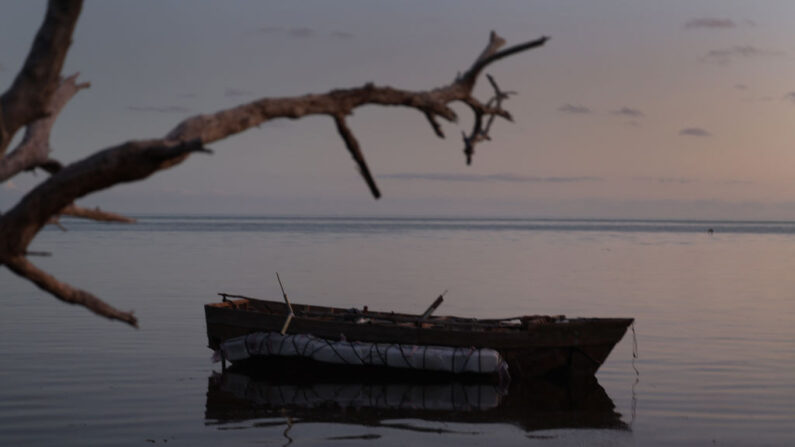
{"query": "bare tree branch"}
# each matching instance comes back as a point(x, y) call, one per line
point(490, 54)
point(216, 126)
point(136, 160)
point(128, 162)
point(499, 96)
point(28, 97)
point(437, 128)
point(492, 109)
point(356, 153)
point(51, 165)
point(57, 222)
point(97, 214)
point(432, 103)
point(65, 292)
point(34, 149)
point(44, 254)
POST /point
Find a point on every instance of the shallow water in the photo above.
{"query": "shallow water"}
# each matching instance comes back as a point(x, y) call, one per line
point(715, 321)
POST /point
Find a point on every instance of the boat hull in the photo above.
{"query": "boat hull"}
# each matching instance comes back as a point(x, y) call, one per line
point(573, 347)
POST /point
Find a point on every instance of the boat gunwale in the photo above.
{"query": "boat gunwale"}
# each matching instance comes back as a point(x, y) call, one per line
point(445, 323)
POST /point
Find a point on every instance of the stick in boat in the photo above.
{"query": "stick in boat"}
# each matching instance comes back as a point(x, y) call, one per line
point(433, 306)
point(289, 306)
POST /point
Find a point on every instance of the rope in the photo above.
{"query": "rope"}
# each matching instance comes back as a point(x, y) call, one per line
point(307, 345)
point(261, 341)
point(452, 359)
point(634, 404)
point(333, 349)
point(281, 343)
point(312, 354)
point(409, 356)
point(386, 354)
point(634, 349)
point(466, 360)
point(380, 357)
point(405, 358)
point(480, 362)
point(356, 353)
point(245, 344)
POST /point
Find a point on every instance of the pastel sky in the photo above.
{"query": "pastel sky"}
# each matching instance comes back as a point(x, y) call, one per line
point(638, 109)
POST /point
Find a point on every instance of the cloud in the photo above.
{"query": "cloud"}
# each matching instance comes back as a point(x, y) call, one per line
point(675, 180)
point(628, 111)
point(297, 32)
point(301, 32)
point(737, 182)
point(574, 110)
point(690, 180)
point(710, 23)
point(341, 34)
point(270, 29)
point(236, 92)
point(741, 86)
point(724, 56)
point(667, 180)
point(766, 98)
point(694, 132)
point(510, 178)
point(790, 97)
point(159, 109)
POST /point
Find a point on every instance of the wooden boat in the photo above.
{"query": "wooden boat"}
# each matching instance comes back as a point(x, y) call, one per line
point(533, 345)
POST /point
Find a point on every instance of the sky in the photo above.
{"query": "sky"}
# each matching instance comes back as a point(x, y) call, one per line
point(633, 109)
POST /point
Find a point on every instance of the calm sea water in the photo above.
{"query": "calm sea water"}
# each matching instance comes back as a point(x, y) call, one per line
point(715, 325)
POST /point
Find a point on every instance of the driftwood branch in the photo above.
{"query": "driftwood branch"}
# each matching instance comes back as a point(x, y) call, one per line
point(128, 162)
point(28, 97)
point(437, 128)
point(339, 103)
point(64, 292)
point(51, 165)
point(96, 214)
point(499, 96)
point(491, 54)
point(356, 153)
point(492, 109)
point(34, 149)
point(33, 101)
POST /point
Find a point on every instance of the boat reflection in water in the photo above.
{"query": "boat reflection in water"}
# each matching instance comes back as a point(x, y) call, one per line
point(238, 395)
